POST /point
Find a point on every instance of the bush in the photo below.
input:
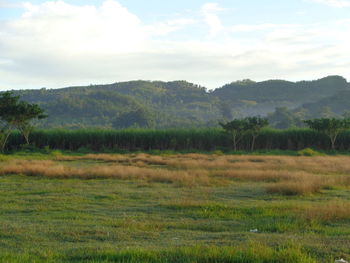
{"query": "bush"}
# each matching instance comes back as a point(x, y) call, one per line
point(309, 152)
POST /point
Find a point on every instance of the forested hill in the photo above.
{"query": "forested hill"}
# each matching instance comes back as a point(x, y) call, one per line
point(136, 103)
point(262, 97)
point(160, 104)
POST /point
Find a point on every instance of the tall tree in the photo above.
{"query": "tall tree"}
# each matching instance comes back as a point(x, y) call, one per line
point(254, 125)
point(235, 129)
point(331, 127)
point(16, 114)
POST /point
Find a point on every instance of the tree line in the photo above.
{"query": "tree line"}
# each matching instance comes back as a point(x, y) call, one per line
point(251, 126)
point(19, 115)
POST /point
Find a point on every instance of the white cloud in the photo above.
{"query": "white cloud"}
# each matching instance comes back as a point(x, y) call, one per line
point(56, 44)
point(164, 28)
point(9, 4)
point(210, 13)
point(60, 27)
point(334, 3)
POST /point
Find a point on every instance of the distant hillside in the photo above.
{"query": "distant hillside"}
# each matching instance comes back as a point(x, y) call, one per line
point(167, 104)
point(334, 106)
point(261, 97)
point(158, 104)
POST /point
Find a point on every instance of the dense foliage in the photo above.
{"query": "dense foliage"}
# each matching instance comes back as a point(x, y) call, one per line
point(331, 127)
point(176, 139)
point(16, 114)
point(238, 128)
point(180, 104)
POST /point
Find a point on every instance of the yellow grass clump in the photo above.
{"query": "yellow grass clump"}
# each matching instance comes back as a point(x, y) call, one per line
point(52, 169)
point(328, 212)
point(295, 187)
point(287, 175)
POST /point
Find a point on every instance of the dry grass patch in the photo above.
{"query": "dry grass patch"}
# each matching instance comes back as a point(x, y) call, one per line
point(118, 158)
point(292, 175)
point(95, 157)
point(319, 164)
point(331, 211)
point(301, 185)
point(294, 188)
point(261, 175)
point(52, 169)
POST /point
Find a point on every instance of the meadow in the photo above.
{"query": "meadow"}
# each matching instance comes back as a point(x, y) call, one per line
point(174, 208)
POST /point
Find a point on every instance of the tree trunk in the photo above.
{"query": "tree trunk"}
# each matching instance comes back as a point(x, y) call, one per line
point(333, 143)
point(25, 130)
point(333, 139)
point(26, 136)
point(4, 139)
point(253, 142)
point(234, 142)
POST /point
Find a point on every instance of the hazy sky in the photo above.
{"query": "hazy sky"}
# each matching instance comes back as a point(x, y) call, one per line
point(79, 42)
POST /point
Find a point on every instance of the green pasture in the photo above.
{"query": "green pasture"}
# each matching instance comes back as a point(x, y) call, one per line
point(109, 220)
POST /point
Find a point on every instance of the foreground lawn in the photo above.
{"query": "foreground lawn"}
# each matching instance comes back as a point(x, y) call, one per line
point(174, 208)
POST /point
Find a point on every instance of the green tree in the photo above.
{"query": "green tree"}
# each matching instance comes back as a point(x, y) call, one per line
point(137, 118)
point(253, 126)
point(331, 127)
point(16, 114)
point(235, 129)
point(327, 113)
point(282, 118)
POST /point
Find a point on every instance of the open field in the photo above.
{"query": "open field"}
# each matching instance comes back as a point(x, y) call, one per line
point(174, 208)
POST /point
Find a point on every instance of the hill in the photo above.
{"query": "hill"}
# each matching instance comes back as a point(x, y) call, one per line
point(158, 104)
point(334, 106)
point(254, 98)
point(164, 104)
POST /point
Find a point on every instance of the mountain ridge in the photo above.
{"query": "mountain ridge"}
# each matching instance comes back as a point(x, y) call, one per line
point(177, 103)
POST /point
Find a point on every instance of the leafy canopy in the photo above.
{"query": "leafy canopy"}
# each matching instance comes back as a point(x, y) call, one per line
point(330, 126)
point(237, 128)
point(16, 114)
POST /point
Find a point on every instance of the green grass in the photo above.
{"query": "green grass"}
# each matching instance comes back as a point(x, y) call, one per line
point(254, 254)
point(108, 220)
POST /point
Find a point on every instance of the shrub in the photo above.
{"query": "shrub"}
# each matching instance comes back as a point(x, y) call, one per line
point(309, 152)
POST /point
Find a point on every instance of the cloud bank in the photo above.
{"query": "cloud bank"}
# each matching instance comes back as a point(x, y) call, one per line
point(56, 44)
point(334, 3)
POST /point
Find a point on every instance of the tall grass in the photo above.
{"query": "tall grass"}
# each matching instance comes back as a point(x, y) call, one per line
point(210, 139)
point(52, 169)
point(286, 175)
point(253, 253)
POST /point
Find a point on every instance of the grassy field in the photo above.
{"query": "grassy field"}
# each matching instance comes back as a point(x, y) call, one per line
point(174, 208)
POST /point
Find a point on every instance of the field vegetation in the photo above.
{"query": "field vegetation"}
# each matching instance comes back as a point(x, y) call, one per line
point(174, 208)
point(180, 104)
point(211, 139)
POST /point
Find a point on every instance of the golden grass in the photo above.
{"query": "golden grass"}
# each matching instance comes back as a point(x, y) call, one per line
point(52, 169)
point(320, 164)
point(328, 212)
point(287, 175)
point(260, 175)
point(295, 187)
point(118, 158)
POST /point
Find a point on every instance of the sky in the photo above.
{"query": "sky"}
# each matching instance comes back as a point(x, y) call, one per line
point(56, 44)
